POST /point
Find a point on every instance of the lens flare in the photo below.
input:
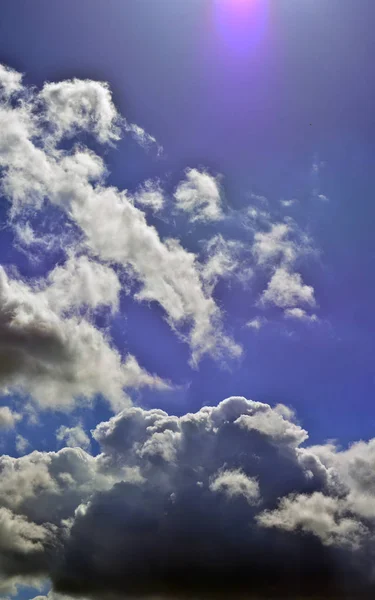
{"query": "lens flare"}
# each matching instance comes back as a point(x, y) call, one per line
point(241, 23)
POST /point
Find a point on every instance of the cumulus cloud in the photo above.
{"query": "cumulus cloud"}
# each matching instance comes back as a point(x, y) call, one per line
point(299, 314)
point(256, 323)
point(82, 282)
point(235, 483)
point(286, 290)
point(80, 105)
point(150, 195)
point(288, 203)
point(142, 137)
point(275, 244)
point(225, 259)
point(114, 229)
point(328, 518)
point(57, 360)
point(199, 196)
point(74, 437)
point(10, 82)
point(8, 418)
point(192, 506)
point(22, 444)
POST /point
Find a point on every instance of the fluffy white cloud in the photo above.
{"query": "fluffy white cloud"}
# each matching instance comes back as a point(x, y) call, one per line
point(288, 203)
point(81, 105)
point(74, 437)
point(300, 314)
point(82, 282)
point(10, 81)
point(57, 360)
point(150, 195)
point(22, 444)
point(275, 244)
point(256, 323)
point(8, 418)
point(235, 483)
point(199, 196)
point(286, 290)
point(225, 259)
point(114, 229)
point(326, 517)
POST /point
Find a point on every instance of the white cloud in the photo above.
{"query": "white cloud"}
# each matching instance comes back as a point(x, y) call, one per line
point(326, 517)
point(275, 244)
point(142, 137)
point(8, 418)
point(199, 195)
point(10, 81)
point(225, 259)
point(22, 444)
point(150, 195)
point(235, 483)
point(82, 282)
point(74, 437)
point(17, 534)
point(287, 290)
point(58, 361)
point(300, 314)
point(256, 323)
point(81, 105)
point(114, 229)
point(288, 203)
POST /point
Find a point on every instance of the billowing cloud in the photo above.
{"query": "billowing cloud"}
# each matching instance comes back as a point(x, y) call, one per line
point(114, 229)
point(10, 82)
point(275, 244)
point(299, 314)
point(74, 437)
point(193, 506)
point(199, 196)
point(22, 444)
point(80, 105)
point(150, 195)
point(287, 290)
point(8, 418)
point(225, 259)
point(59, 360)
point(82, 282)
point(235, 483)
point(256, 323)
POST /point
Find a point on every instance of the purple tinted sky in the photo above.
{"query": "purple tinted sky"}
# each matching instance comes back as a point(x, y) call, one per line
point(260, 112)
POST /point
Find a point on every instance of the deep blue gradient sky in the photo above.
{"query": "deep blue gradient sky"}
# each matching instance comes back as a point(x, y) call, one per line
point(259, 114)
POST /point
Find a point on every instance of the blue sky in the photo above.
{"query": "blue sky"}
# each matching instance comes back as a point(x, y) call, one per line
point(244, 130)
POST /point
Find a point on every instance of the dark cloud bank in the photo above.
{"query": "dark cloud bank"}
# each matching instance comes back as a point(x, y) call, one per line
point(226, 502)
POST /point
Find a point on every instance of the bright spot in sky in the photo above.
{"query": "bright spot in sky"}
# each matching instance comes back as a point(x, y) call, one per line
point(241, 23)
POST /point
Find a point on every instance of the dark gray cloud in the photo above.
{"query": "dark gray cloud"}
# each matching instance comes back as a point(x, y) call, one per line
point(222, 503)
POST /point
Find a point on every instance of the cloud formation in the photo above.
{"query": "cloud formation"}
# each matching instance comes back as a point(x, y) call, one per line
point(287, 290)
point(114, 229)
point(228, 500)
point(199, 196)
point(59, 360)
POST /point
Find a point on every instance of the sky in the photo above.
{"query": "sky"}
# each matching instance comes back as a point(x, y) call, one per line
point(186, 299)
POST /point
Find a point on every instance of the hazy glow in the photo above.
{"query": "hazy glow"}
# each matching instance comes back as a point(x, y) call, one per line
point(241, 23)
